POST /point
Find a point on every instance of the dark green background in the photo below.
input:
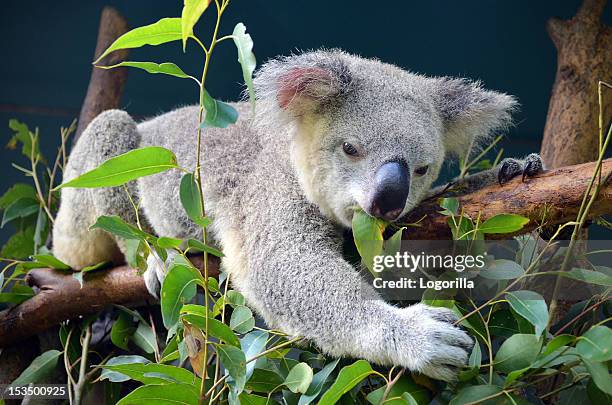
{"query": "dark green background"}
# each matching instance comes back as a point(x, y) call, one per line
point(47, 49)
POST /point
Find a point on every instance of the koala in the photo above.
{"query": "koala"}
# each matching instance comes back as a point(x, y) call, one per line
point(331, 132)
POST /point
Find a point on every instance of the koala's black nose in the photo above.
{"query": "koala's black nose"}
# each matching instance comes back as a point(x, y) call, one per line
point(391, 187)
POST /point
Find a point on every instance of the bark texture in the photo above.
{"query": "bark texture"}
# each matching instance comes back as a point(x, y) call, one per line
point(105, 86)
point(584, 49)
point(557, 192)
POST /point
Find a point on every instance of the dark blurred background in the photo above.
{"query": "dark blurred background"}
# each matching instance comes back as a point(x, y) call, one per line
point(48, 49)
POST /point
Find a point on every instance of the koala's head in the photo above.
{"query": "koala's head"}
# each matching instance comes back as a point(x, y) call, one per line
point(369, 134)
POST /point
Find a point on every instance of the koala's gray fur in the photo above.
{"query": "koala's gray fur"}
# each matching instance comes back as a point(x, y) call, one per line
point(280, 190)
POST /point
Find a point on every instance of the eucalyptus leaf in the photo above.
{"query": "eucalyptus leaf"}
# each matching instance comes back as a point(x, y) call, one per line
point(502, 269)
point(234, 361)
point(178, 287)
point(51, 261)
point(246, 58)
point(162, 394)
point(192, 11)
point(164, 30)
point(517, 352)
point(531, 306)
point(21, 208)
point(118, 227)
point(368, 236)
point(190, 196)
point(348, 377)
point(503, 223)
point(41, 367)
point(122, 329)
point(318, 380)
point(242, 320)
point(299, 378)
point(474, 394)
point(218, 113)
point(126, 167)
point(252, 344)
point(596, 344)
point(165, 68)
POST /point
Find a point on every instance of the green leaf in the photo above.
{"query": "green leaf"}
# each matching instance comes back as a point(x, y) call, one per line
point(16, 192)
point(596, 344)
point(22, 134)
point(588, 276)
point(152, 373)
point(178, 287)
point(192, 10)
point(503, 223)
point(393, 245)
point(246, 58)
point(405, 384)
point(145, 338)
point(114, 376)
point(165, 394)
point(22, 208)
point(264, 380)
point(475, 394)
point(234, 298)
point(168, 243)
point(531, 306)
point(462, 228)
point(196, 244)
point(450, 205)
point(51, 261)
point(19, 293)
point(600, 374)
point(129, 166)
point(252, 399)
point(502, 269)
point(122, 329)
point(556, 343)
point(165, 68)
point(234, 361)
point(41, 367)
point(348, 377)
point(20, 245)
point(117, 226)
point(164, 30)
point(242, 320)
point(252, 344)
point(317, 383)
point(191, 200)
point(218, 113)
point(215, 328)
point(368, 236)
point(299, 378)
point(517, 352)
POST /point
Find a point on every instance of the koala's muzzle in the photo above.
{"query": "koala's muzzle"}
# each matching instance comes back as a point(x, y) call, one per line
point(391, 187)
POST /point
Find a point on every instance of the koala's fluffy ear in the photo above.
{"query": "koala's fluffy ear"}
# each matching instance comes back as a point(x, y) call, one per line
point(471, 114)
point(302, 84)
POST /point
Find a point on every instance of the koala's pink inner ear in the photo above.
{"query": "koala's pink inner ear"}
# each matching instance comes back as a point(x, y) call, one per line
point(303, 83)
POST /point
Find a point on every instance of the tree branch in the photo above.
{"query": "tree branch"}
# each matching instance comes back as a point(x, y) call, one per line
point(558, 193)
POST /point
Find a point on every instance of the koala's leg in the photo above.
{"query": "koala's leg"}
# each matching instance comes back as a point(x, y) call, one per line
point(111, 133)
point(299, 282)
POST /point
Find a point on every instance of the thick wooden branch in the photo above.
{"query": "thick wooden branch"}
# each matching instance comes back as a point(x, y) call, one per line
point(551, 198)
point(105, 86)
point(61, 297)
point(557, 192)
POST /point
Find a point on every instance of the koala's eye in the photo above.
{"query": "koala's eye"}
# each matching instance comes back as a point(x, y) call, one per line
point(349, 149)
point(420, 171)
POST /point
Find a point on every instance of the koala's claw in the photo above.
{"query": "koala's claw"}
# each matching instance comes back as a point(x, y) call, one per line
point(156, 273)
point(510, 168)
point(444, 348)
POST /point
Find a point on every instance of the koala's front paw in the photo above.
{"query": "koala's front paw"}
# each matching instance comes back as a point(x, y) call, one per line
point(156, 273)
point(438, 348)
point(510, 168)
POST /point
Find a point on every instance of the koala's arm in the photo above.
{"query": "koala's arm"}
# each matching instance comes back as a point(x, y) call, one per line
point(300, 283)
